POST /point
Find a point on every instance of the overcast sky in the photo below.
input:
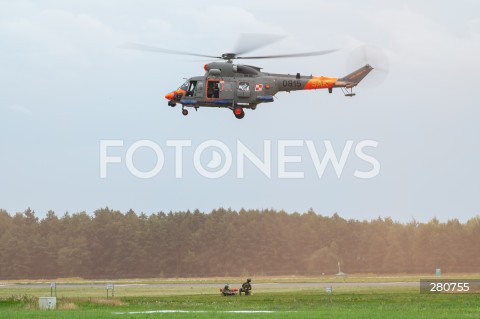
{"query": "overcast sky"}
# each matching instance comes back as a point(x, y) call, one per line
point(65, 85)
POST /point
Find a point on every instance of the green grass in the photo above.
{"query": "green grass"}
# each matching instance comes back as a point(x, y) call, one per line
point(348, 302)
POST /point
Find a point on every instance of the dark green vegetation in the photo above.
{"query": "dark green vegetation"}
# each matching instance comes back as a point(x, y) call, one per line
point(374, 303)
point(111, 244)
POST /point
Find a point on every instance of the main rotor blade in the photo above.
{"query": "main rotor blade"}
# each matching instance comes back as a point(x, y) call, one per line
point(248, 42)
point(292, 55)
point(149, 48)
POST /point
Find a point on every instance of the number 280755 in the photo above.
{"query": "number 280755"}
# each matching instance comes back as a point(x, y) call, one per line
point(449, 286)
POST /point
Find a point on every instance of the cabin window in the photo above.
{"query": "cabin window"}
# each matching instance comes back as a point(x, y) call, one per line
point(213, 89)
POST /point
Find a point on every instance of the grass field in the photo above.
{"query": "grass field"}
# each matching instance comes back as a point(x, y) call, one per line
point(205, 302)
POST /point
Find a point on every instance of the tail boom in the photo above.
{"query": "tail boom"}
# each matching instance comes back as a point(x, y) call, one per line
point(354, 78)
point(349, 81)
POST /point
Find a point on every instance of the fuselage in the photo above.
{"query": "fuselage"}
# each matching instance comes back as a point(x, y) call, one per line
point(237, 87)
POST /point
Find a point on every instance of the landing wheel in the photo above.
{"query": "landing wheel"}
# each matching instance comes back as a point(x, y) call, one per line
point(185, 112)
point(238, 112)
point(172, 104)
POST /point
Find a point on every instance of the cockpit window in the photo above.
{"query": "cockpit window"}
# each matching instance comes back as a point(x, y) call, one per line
point(191, 88)
point(185, 85)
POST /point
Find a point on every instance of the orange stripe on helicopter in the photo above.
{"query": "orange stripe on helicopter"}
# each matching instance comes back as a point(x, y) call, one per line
point(170, 95)
point(320, 82)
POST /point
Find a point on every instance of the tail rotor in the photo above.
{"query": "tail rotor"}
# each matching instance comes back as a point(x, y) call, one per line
point(373, 56)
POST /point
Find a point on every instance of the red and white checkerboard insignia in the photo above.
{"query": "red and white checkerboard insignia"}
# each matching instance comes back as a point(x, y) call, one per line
point(258, 87)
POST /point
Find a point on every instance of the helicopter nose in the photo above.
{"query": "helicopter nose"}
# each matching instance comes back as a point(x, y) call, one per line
point(169, 96)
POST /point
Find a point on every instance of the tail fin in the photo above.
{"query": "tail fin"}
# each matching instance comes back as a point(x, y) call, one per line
point(355, 77)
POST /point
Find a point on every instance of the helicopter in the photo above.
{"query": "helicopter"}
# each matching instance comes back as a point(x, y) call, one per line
point(240, 86)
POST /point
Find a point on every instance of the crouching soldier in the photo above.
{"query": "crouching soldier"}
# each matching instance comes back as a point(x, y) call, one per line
point(246, 287)
point(226, 291)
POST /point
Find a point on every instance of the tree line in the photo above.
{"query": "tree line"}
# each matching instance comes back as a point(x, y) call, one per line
point(224, 242)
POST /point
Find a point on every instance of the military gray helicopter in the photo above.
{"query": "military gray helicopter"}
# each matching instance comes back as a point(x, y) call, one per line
point(238, 87)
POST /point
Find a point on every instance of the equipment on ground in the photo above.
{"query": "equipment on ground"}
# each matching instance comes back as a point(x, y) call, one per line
point(227, 291)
